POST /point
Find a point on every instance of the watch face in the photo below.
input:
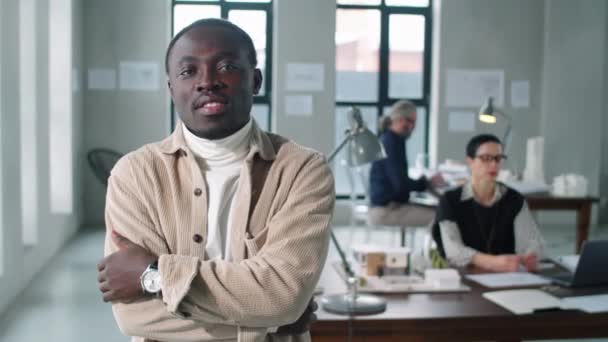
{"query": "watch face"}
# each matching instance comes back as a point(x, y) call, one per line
point(151, 281)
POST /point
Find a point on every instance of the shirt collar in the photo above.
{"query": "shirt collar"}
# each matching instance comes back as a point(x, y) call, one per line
point(467, 192)
point(260, 143)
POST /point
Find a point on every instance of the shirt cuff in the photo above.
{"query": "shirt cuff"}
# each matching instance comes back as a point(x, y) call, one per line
point(177, 273)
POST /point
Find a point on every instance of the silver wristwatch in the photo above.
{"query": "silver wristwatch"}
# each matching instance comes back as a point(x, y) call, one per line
point(150, 280)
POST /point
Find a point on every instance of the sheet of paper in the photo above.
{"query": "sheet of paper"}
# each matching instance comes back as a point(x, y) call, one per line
point(471, 88)
point(522, 301)
point(510, 279)
point(461, 121)
point(298, 105)
point(520, 94)
point(569, 262)
point(305, 77)
point(101, 79)
point(590, 304)
point(139, 76)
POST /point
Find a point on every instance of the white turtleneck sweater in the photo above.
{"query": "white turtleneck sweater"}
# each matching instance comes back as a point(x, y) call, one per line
point(220, 162)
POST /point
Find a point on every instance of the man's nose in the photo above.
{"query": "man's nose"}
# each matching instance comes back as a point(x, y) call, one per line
point(207, 81)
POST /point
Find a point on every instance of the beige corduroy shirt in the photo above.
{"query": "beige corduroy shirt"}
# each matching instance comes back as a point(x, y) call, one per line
point(280, 234)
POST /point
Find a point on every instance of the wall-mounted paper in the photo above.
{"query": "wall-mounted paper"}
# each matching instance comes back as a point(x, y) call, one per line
point(305, 77)
point(471, 88)
point(461, 121)
point(520, 94)
point(139, 76)
point(298, 105)
point(101, 79)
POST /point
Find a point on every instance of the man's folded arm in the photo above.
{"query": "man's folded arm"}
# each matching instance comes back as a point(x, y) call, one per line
point(274, 287)
point(127, 214)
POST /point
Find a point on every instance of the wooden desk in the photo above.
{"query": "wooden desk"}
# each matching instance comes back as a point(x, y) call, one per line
point(582, 205)
point(450, 317)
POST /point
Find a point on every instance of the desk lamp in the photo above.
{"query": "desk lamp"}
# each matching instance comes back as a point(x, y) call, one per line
point(487, 114)
point(363, 147)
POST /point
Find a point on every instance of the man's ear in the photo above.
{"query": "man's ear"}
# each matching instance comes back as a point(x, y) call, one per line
point(170, 87)
point(257, 81)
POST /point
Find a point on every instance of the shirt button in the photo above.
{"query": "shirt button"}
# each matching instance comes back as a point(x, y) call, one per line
point(198, 192)
point(197, 238)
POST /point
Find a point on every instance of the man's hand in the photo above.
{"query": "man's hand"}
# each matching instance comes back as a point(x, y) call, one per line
point(303, 323)
point(119, 273)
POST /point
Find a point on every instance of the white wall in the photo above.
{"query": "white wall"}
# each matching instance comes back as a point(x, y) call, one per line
point(123, 120)
point(488, 34)
point(20, 263)
point(303, 32)
point(574, 88)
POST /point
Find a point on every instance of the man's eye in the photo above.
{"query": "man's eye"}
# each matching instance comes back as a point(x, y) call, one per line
point(228, 67)
point(186, 72)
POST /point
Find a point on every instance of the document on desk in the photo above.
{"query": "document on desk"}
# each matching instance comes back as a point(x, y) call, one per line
point(523, 301)
point(569, 262)
point(527, 301)
point(590, 304)
point(510, 279)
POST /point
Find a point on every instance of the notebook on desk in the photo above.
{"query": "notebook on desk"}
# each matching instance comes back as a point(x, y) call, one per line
point(592, 267)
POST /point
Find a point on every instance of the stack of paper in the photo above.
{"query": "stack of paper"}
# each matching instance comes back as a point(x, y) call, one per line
point(511, 279)
point(528, 301)
point(523, 301)
point(568, 262)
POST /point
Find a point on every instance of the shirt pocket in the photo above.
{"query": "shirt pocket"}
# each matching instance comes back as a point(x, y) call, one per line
point(255, 243)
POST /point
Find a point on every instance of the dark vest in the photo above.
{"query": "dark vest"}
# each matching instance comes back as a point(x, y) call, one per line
point(487, 229)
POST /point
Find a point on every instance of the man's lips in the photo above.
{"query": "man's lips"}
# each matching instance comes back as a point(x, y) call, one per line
point(210, 106)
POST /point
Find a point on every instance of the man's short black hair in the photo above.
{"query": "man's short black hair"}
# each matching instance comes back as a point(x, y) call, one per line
point(214, 22)
point(479, 140)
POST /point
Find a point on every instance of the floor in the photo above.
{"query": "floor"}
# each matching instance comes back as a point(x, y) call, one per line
point(63, 303)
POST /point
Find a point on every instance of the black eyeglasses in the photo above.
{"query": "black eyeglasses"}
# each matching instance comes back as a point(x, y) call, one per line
point(486, 158)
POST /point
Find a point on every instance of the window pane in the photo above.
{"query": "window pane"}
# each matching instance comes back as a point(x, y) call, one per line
point(261, 114)
point(412, 3)
point(254, 23)
point(341, 171)
point(358, 2)
point(357, 54)
point(184, 15)
point(60, 107)
point(415, 143)
point(406, 58)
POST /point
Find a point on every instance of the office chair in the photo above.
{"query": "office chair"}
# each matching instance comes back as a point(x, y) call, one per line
point(101, 161)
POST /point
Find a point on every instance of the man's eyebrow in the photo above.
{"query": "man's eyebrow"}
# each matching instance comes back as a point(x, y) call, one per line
point(187, 59)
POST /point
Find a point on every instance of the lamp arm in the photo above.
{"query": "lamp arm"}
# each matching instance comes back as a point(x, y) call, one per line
point(507, 137)
point(331, 157)
point(345, 264)
point(334, 153)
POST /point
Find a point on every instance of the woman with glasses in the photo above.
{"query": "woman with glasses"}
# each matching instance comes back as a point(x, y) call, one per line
point(484, 223)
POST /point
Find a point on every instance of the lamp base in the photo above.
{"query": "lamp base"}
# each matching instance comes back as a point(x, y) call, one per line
point(343, 304)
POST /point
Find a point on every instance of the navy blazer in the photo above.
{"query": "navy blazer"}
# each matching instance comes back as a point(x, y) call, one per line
point(389, 180)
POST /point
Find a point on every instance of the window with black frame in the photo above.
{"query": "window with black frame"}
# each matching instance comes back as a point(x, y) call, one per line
point(383, 54)
point(253, 16)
